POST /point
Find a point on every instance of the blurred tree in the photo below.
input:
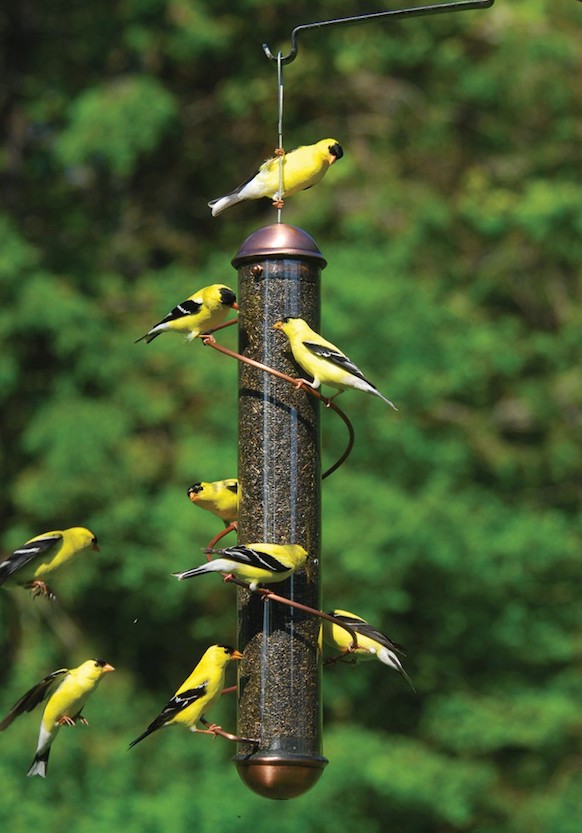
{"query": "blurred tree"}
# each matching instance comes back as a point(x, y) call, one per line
point(452, 231)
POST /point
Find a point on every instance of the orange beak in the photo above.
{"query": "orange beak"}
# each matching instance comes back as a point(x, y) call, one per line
point(235, 306)
point(277, 325)
point(107, 667)
point(236, 655)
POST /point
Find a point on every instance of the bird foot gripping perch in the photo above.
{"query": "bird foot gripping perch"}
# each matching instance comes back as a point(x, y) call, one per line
point(215, 730)
point(305, 384)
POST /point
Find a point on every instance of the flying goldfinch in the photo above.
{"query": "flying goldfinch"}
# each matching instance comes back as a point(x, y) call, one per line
point(323, 360)
point(41, 556)
point(196, 694)
point(261, 563)
point(302, 168)
point(372, 644)
point(64, 706)
point(199, 313)
point(220, 497)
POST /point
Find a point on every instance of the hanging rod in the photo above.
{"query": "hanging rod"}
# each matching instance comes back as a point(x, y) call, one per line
point(418, 11)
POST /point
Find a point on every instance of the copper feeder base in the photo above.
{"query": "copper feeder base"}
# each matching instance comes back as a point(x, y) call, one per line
point(277, 777)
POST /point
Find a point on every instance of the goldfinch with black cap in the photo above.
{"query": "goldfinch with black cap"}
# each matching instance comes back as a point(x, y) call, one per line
point(40, 557)
point(372, 643)
point(196, 694)
point(258, 563)
point(323, 360)
point(67, 691)
point(201, 312)
point(221, 497)
point(302, 168)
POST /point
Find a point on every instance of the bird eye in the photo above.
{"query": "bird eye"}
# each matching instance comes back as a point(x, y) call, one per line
point(94, 540)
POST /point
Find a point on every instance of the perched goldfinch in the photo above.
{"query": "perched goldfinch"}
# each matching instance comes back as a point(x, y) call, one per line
point(199, 313)
point(41, 556)
point(63, 708)
point(220, 497)
point(372, 644)
point(196, 694)
point(302, 168)
point(323, 360)
point(261, 563)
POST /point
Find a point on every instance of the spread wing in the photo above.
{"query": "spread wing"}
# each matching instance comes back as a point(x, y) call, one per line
point(367, 630)
point(24, 554)
point(33, 697)
point(182, 310)
point(335, 357)
point(253, 558)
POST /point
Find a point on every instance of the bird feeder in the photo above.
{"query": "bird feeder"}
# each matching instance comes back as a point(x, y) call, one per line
point(279, 472)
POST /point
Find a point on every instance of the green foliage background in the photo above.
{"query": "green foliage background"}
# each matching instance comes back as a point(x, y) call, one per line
point(453, 233)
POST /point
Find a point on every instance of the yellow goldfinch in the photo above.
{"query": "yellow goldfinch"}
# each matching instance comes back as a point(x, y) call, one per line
point(302, 168)
point(41, 556)
point(372, 644)
point(63, 708)
point(220, 497)
point(199, 313)
point(261, 563)
point(196, 694)
point(323, 360)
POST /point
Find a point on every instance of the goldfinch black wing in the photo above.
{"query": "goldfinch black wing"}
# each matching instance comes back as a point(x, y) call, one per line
point(367, 630)
point(253, 558)
point(335, 357)
point(20, 557)
point(182, 310)
point(173, 707)
point(33, 697)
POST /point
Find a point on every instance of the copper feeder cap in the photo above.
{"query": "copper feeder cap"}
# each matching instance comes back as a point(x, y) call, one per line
point(278, 240)
point(277, 777)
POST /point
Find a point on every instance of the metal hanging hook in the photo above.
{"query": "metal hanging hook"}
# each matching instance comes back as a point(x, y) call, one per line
point(418, 11)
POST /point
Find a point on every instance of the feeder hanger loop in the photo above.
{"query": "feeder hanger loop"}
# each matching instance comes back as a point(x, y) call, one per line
point(418, 11)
